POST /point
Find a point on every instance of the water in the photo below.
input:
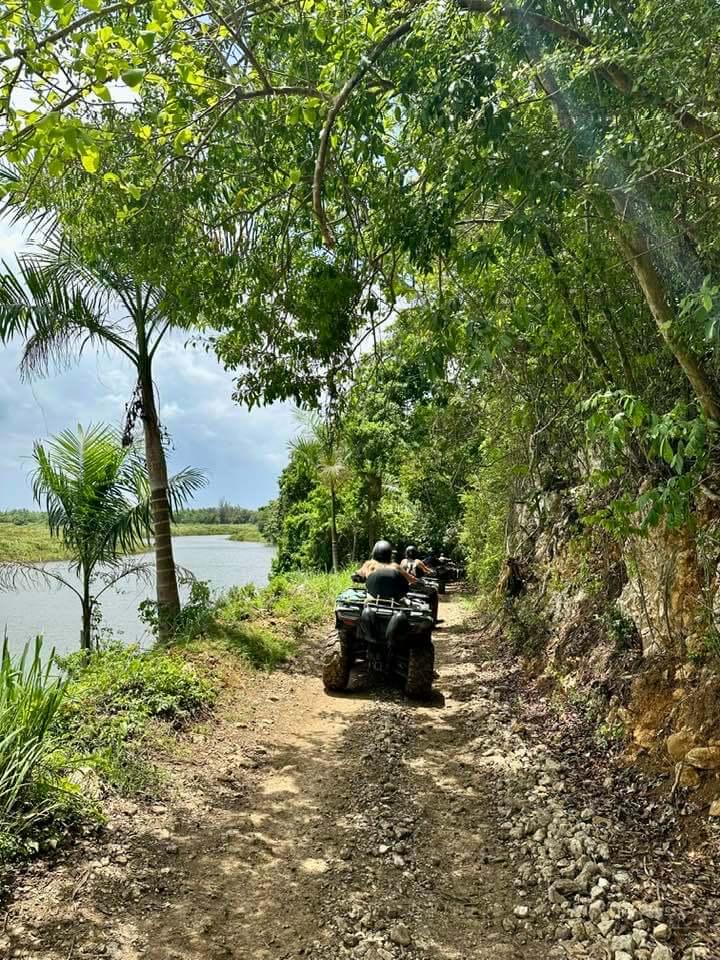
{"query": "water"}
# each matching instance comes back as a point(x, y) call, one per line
point(54, 612)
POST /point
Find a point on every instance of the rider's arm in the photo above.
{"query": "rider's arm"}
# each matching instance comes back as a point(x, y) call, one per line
point(408, 576)
point(423, 567)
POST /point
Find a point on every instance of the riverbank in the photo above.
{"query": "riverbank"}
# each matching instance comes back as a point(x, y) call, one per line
point(31, 542)
point(104, 729)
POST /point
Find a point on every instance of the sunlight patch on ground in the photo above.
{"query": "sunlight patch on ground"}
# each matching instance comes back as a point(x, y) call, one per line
point(314, 865)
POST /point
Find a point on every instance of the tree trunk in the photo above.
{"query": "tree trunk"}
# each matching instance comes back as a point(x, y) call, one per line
point(168, 597)
point(635, 247)
point(634, 244)
point(333, 530)
point(86, 633)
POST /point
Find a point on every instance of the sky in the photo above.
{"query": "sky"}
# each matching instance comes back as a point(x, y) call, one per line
point(242, 452)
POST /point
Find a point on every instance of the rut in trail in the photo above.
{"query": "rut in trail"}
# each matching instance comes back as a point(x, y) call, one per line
point(356, 826)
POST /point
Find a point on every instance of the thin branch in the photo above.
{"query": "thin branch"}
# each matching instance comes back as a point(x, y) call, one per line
point(339, 101)
point(69, 29)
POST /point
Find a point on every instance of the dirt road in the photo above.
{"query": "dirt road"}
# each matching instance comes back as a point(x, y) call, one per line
point(362, 826)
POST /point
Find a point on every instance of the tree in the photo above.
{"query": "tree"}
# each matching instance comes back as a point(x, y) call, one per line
point(319, 447)
point(98, 502)
point(60, 302)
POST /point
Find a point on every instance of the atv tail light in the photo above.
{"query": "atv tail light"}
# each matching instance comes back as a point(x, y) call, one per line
point(348, 623)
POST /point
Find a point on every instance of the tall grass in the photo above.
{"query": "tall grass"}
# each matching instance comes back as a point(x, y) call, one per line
point(31, 791)
point(267, 625)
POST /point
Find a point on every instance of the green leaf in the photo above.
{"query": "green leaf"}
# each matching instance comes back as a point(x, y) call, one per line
point(133, 78)
point(90, 159)
point(181, 139)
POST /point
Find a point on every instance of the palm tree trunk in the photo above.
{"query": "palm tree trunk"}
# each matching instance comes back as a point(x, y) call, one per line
point(86, 633)
point(168, 597)
point(333, 529)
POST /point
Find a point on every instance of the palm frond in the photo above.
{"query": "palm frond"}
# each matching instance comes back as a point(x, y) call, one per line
point(57, 304)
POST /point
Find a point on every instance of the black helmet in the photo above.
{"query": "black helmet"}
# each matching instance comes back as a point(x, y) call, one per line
point(382, 551)
point(411, 553)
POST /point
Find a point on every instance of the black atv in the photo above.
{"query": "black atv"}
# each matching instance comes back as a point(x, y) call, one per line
point(408, 661)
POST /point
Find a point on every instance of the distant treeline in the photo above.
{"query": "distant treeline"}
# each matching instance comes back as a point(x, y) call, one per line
point(224, 512)
point(21, 517)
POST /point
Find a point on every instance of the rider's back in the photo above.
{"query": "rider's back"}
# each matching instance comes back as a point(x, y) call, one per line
point(387, 583)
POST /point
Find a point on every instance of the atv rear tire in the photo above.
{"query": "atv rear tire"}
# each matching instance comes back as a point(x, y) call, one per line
point(421, 670)
point(336, 663)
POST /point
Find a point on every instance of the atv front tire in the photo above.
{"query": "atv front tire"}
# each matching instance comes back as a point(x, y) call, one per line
point(421, 670)
point(336, 663)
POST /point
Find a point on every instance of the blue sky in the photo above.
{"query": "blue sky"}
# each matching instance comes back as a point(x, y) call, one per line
point(242, 452)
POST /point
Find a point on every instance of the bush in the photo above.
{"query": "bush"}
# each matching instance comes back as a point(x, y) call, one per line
point(195, 617)
point(36, 798)
point(249, 618)
point(113, 698)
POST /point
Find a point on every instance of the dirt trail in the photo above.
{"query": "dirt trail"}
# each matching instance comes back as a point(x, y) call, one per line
point(303, 825)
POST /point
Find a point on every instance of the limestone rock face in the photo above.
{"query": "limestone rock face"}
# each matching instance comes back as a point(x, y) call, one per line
point(705, 758)
point(664, 610)
point(679, 744)
point(688, 776)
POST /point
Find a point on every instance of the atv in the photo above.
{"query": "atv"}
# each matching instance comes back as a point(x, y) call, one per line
point(363, 647)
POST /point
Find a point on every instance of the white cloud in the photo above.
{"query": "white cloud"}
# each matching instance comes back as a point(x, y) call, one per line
point(241, 451)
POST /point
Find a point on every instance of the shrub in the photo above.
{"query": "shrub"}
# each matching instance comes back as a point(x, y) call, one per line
point(113, 697)
point(35, 796)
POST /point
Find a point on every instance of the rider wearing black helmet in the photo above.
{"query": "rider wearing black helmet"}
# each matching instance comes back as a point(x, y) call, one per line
point(413, 564)
point(386, 580)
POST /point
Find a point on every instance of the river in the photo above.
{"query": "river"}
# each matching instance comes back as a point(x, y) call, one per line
point(55, 612)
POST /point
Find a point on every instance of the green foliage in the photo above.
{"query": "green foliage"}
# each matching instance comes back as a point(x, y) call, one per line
point(674, 449)
point(36, 798)
point(620, 629)
point(195, 617)
point(223, 515)
point(113, 696)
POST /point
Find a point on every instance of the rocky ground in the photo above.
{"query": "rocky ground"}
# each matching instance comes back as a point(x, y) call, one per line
point(481, 825)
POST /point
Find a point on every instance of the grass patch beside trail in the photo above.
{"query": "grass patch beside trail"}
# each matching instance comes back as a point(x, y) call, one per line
point(274, 620)
point(242, 532)
point(67, 741)
point(121, 702)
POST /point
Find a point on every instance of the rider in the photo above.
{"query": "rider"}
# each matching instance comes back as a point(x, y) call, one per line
point(385, 580)
point(414, 565)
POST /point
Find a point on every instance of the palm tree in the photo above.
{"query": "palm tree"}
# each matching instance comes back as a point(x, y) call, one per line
point(98, 502)
point(318, 446)
point(59, 303)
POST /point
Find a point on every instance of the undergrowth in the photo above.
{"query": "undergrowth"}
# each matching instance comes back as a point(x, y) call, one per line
point(38, 801)
point(118, 703)
point(265, 626)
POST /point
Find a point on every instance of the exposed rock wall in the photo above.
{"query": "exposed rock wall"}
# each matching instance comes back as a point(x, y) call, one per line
point(631, 627)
